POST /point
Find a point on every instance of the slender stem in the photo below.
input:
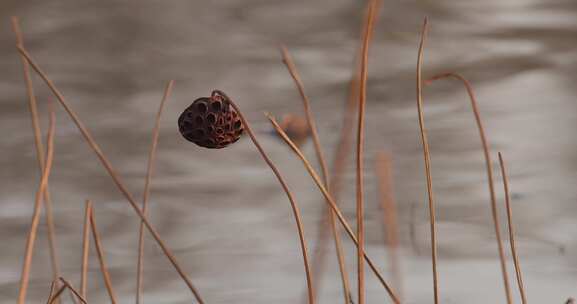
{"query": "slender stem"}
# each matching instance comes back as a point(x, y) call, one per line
point(511, 230)
point(335, 185)
point(112, 172)
point(145, 196)
point(287, 60)
point(332, 204)
point(360, 156)
point(384, 176)
point(69, 286)
point(52, 287)
point(36, 214)
point(85, 248)
point(427, 157)
point(56, 296)
point(292, 201)
point(488, 165)
point(101, 259)
point(338, 167)
point(32, 104)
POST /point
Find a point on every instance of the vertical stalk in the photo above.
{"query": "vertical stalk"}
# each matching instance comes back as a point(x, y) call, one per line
point(427, 157)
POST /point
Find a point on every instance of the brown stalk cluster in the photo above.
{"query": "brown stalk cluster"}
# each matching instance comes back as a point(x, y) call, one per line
point(216, 122)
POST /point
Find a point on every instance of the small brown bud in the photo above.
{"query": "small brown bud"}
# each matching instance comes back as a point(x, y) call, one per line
point(296, 127)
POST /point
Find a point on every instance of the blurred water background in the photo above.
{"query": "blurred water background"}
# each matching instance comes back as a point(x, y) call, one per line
point(222, 211)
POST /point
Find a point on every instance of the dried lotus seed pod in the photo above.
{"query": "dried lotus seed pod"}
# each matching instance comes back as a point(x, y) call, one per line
point(211, 122)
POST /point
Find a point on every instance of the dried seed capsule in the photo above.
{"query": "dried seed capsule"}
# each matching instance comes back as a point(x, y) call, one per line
point(211, 122)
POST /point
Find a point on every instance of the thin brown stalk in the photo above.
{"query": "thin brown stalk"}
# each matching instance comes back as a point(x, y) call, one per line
point(292, 201)
point(52, 287)
point(330, 200)
point(335, 185)
point(56, 296)
point(101, 259)
point(85, 248)
point(145, 196)
point(39, 152)
point(339, 163)
point(427, 157)
point(383, 169)
point(488, 165)
point(360, 156)
point(29, 250)
point(69, 286)
point(112, 172)
point(287, 60)
point(511, 230)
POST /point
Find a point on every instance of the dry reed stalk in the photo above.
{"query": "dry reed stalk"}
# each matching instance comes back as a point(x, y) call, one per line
point(338, 164)
point(489, 168)
point(427, 157)
point(511, 230)
point(145, 196)
point(360, 152)
point(112, 172)
point(32, 105)
point(29, 250)
point(383, 170)
point(56, 296)
point(293, 203)
point(287, 60)
point(335, 186)
point(332, 204)
point(69, 286)
point(101, 259)
point(52, 287)
point(85, 248)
